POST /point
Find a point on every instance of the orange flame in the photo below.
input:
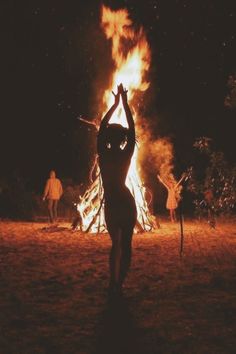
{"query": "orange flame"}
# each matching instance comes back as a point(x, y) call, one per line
point(131, 56)
point(131, 67)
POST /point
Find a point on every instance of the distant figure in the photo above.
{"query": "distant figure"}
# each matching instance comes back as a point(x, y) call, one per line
point(53, 192)
point(172, 201)
point(115, 145)
point(209, 201)
point(77, 223)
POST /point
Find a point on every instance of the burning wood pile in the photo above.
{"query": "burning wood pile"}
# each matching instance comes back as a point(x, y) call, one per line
point(131, 56)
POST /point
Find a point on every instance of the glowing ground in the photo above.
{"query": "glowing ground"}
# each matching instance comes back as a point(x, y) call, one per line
point(53, 291)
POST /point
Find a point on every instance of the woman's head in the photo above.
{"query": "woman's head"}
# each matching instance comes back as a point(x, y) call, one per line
point(171, 181)
point(116, 137)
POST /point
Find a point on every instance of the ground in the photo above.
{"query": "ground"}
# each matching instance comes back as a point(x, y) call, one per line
point(53, 291)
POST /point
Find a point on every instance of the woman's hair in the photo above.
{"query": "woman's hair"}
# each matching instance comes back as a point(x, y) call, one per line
point(115, 133)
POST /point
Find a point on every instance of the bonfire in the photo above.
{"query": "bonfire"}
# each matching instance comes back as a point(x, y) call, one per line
point(131, 55)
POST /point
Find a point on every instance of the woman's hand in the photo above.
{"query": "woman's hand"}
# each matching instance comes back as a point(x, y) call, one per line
point(123, 93)
point(116, 96)
point(184, 176)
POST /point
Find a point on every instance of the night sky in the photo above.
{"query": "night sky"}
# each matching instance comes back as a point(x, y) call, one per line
point(56, 64)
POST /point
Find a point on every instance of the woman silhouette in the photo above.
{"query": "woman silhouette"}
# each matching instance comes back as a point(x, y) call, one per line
point(172, 200)
point(115, 145)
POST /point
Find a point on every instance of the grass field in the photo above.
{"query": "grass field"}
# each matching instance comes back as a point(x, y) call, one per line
point(53, 291)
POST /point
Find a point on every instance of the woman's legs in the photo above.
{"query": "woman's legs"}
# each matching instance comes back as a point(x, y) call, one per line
point(115, 259)
point(120, 224)
point(126, 252)
point(120, 257)
point(172, 215)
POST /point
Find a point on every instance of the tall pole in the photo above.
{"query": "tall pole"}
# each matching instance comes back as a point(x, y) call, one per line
point(181, 228)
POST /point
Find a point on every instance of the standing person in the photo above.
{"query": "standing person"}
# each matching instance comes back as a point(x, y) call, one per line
point(53, 192)
point(115, 145)
point(172, 202)
point(209, 201)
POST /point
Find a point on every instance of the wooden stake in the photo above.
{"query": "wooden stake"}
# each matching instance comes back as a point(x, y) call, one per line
point(181, 228)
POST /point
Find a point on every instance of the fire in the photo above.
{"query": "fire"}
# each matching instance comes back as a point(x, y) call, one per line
point(131, 56)
point(131, 65)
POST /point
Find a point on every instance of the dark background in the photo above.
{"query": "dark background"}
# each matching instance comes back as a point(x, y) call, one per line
point(56, 62)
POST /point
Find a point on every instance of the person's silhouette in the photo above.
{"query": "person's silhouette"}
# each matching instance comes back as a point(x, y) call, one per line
point(172, 201)
point(115, 145)
point(53, 192)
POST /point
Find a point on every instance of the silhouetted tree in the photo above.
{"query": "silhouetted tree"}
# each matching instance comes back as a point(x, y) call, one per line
point(215, 189)
point(230, 99)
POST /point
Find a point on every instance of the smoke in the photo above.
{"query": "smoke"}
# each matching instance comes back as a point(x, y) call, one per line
point(156, 156)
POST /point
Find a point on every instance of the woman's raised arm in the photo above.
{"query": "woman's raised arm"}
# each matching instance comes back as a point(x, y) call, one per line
point(181, 179)
point(129, 117)
point(161, 180)
point(108, 115)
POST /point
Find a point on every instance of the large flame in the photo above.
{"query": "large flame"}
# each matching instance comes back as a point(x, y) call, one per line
point(131, 64)
point(131, 56)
